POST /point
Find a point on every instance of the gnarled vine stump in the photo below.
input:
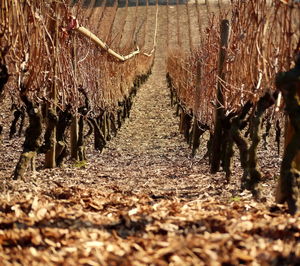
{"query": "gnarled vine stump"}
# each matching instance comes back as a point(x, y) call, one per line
point(289, 184)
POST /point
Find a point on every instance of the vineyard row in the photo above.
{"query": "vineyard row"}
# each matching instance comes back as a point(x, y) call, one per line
point(226, 86)
point(59, 74)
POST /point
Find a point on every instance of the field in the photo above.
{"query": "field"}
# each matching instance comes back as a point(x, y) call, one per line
point(144, 198)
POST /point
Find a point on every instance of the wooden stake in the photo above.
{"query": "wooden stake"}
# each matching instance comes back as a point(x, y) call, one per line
point(50, 157)
point(219, 111)
point(74, 124)
point(104, 46)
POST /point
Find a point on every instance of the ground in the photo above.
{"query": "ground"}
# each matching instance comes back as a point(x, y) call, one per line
point(144, 200)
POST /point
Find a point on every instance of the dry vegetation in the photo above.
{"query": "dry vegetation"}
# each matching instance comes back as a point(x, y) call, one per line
point(87, 227)
point(227, 84)
point(58, 74)
point(139, 195)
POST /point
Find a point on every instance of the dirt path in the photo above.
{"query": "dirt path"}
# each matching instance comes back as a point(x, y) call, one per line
point(148, 155)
